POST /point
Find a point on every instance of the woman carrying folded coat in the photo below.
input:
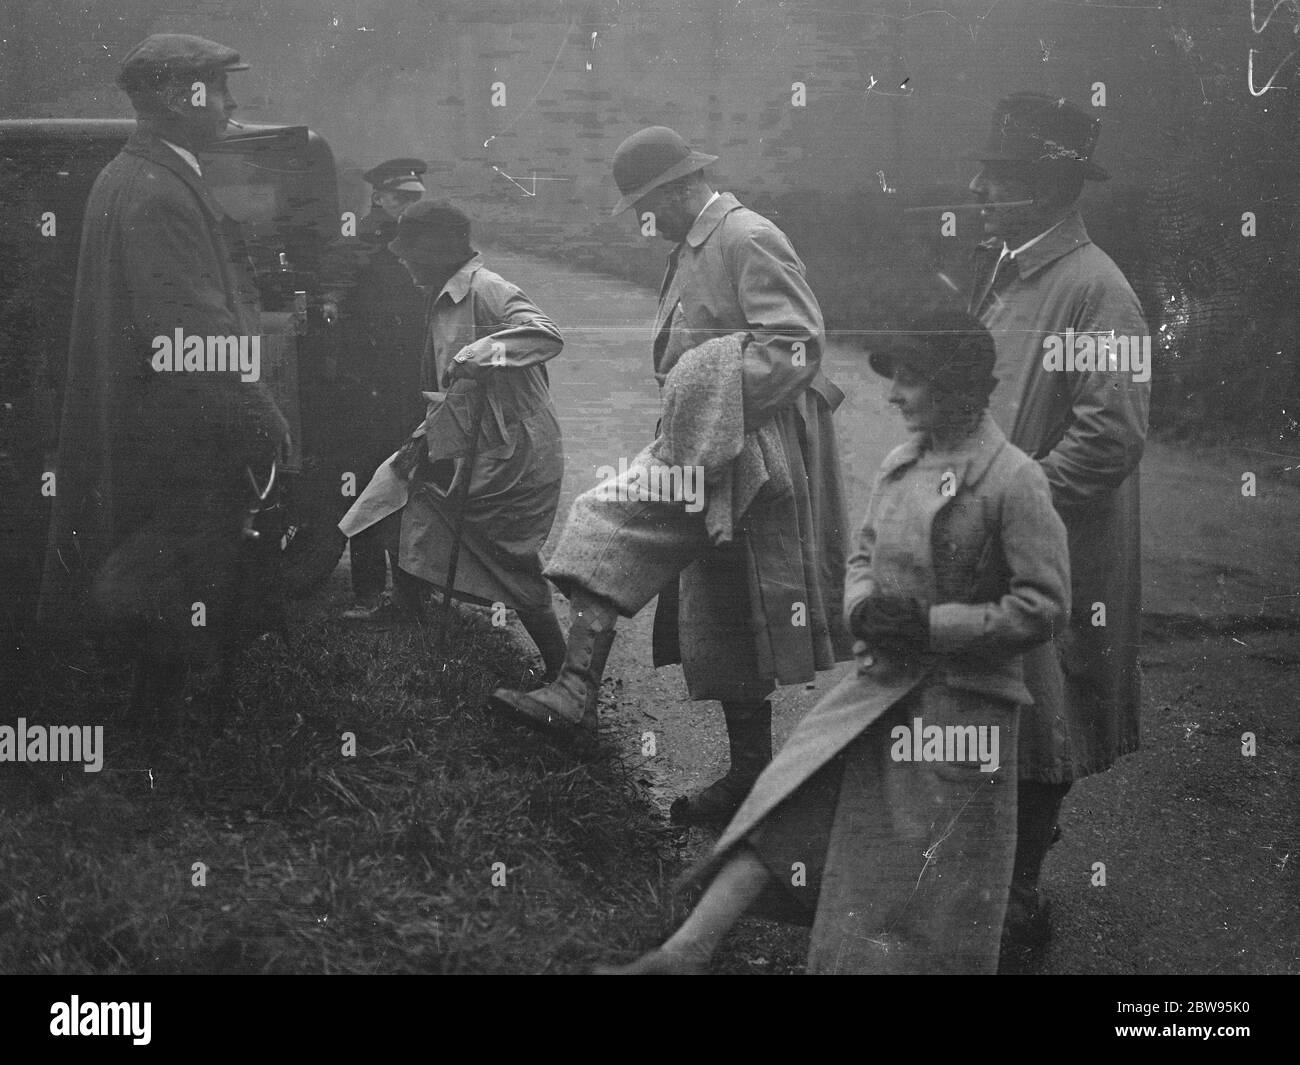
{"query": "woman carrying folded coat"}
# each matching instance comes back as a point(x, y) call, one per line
point(888, 821)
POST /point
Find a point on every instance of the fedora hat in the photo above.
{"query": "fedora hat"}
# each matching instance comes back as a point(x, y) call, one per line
point(949, 348)
point(652, 157)
point(432, 231)
point(1035, 128)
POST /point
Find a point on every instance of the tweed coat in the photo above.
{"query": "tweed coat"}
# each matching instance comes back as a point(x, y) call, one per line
point(1087, 429)
point(765, 608)
point(989, 556)
point(150, 475)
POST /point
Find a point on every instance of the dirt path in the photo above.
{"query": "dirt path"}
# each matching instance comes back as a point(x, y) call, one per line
point(1200, 842)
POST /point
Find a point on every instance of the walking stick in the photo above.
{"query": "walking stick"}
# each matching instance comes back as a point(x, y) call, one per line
point(462, 504)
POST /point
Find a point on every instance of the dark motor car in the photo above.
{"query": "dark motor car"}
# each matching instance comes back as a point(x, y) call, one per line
point(279, 184)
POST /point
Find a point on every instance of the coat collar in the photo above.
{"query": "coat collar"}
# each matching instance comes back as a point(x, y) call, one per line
point(149, 146)
point(971, 461)
point(459, 282)
point(710, 217)
point(1068, 235)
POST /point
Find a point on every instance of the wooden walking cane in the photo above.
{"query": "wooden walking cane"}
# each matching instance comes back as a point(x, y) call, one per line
point(462, 503)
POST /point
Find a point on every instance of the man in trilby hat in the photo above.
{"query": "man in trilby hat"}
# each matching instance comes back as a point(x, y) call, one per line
point(1037, 276)
point(755, 605)
point(153, 465)
point(380, 317)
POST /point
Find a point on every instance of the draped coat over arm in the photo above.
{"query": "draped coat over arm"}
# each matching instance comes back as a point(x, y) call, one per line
point(765, 608)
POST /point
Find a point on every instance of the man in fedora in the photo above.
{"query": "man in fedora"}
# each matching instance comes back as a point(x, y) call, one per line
point(1037, 276)
point(153, 465)
point(380, 314)
point(756, 609)
point(486, 342)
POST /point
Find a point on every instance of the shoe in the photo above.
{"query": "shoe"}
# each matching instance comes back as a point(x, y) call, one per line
point(749, 735)
point(655, 963)
point(367, 609)
point(567, 706)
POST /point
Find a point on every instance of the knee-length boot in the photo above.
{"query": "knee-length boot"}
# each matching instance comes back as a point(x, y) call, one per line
point(749, 735)
point(568, 704)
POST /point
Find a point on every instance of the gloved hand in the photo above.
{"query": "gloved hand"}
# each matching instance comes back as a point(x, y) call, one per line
point(892, 619)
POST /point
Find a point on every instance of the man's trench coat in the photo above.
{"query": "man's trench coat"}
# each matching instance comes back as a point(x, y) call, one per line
point(1087, 429)
point(514, 487)
point(767, 606)
point(150, 477)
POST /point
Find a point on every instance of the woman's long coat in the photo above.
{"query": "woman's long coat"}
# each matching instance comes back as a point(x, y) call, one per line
point(986, 550)
point(150, 486)
point(765, 607)
point(514, 486)
point(1088, 430)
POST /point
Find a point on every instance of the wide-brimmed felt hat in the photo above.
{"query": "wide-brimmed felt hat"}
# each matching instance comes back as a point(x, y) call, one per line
point(165, 57)
point(397, 175)
point(432, 231)
point(652, 157)
point(950, 348)
point(1035, 128)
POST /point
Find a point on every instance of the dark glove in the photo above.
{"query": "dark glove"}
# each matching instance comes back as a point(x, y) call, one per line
point(892, 619)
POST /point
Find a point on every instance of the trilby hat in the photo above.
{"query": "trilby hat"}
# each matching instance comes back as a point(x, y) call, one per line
point(1035, 128)
point(652, 157)
point(432, 231)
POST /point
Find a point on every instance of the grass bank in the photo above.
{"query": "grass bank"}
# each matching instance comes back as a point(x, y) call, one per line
point(316, 861)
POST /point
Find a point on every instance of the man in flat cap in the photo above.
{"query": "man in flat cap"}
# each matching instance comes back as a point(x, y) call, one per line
point(380, 314)
point(486, 348)
point(749, 595)
point(155, 455)
point(1077, 401)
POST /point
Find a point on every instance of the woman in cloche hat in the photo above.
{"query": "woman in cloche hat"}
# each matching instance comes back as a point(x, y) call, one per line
point(888, 821)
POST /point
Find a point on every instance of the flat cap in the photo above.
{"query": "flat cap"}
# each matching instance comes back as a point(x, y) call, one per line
point(397, 175)
point(164, 57)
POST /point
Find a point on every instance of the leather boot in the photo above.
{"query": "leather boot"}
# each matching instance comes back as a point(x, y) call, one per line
point(749, 734)
point(568, 704)
point(544, 627)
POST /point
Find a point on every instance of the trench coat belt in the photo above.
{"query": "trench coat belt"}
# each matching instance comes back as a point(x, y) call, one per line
point(828, 390)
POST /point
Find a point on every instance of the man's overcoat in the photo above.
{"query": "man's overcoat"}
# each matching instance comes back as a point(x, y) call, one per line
point(151, 485)
point(1087, 429)
point(765, 607)
point(514, 486)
